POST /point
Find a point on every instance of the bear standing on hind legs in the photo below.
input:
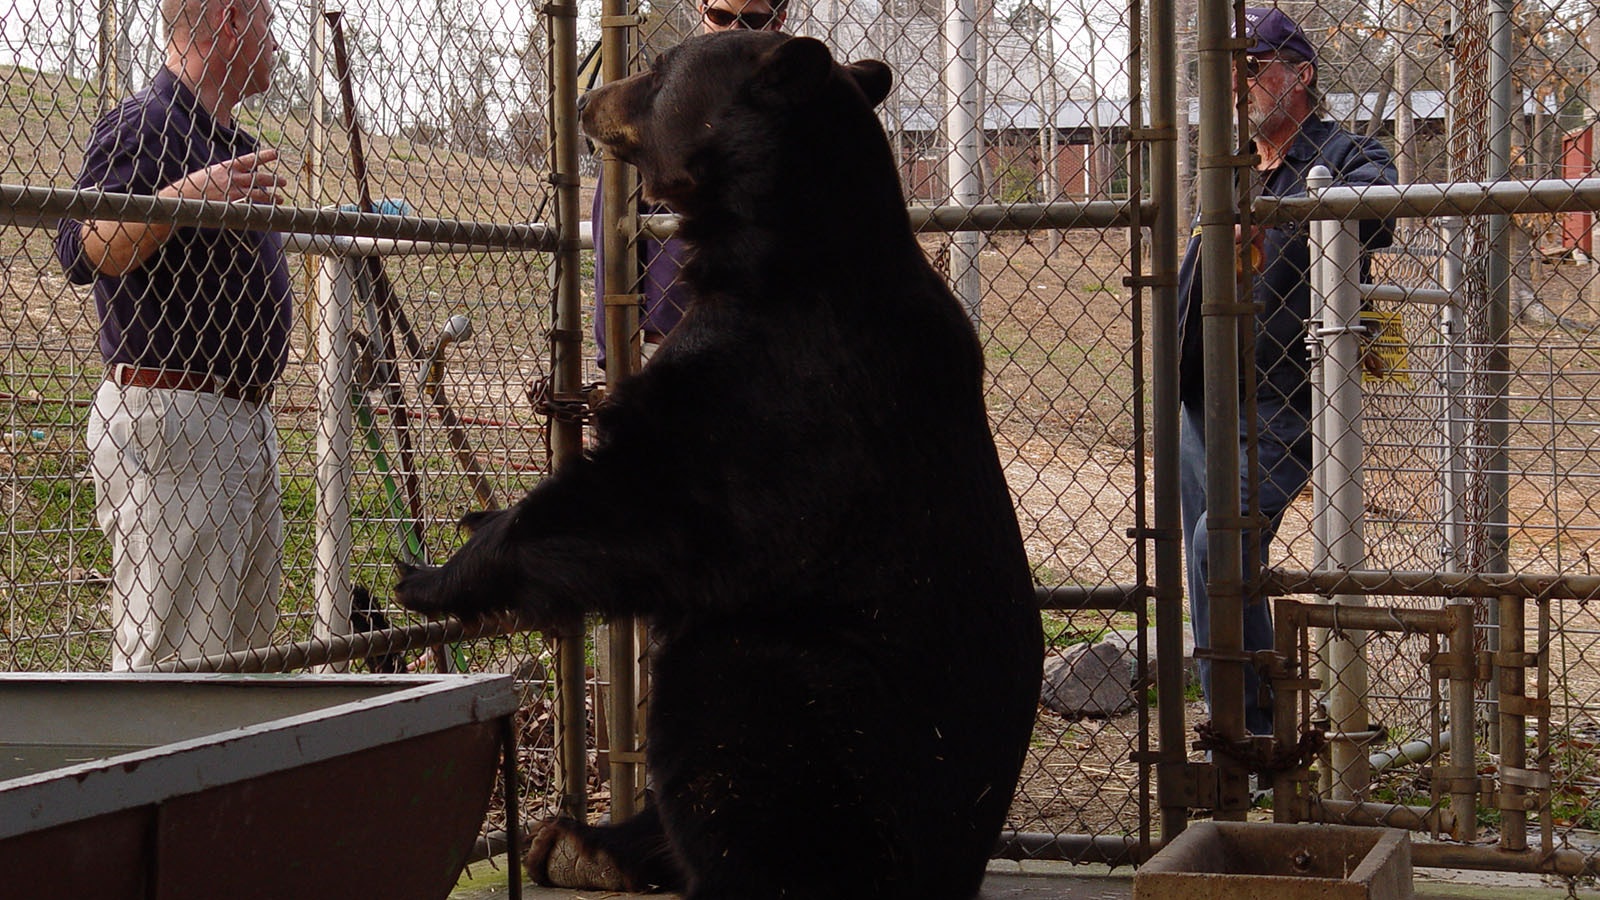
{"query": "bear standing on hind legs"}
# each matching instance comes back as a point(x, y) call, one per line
point(849, 647)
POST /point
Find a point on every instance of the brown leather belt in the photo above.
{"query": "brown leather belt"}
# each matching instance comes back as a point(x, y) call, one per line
point(178, 380)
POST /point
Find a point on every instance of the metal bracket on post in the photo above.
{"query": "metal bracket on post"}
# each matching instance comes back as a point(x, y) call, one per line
point(1188, 784)
point(1450, 664)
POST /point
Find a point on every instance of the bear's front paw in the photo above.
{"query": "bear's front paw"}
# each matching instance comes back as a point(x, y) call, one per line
point(418, 589)
point(472, 521)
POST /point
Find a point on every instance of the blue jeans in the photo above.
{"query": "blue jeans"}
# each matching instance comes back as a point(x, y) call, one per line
point(1285, 469)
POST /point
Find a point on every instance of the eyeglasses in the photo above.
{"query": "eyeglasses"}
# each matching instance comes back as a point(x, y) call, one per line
point(722, 18)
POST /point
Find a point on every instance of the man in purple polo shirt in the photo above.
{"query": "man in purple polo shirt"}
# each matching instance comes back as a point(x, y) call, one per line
point(194, 329)
point(664, 298)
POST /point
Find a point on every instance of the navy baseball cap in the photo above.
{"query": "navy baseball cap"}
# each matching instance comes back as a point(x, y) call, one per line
point(1272, 31)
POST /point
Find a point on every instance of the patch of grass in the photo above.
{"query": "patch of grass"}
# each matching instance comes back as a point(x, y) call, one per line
point(1061, 632)
point(1192, 693)
point(1488, 817)
point(1574, 772)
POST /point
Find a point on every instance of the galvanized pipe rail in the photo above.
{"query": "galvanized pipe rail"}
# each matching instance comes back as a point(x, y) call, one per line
point(1109, 850)
point(1508, 196)
point(35, 206)
point(987, 217)
point(1116, 851)
point(1433, 584)
point(31, 205)
point(344, 648)
point(1431, 820)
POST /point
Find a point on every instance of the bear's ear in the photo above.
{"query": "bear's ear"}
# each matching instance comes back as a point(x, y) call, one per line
point(873, 77)
point(795, 68)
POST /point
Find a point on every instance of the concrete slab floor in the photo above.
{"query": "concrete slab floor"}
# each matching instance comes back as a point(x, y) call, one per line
point(1061, 881)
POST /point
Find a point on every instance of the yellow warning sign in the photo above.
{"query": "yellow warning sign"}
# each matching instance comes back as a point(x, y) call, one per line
point(1384, 348)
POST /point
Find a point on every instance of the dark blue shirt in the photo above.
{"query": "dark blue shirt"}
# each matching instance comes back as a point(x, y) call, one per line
point(209, 301)
point(1282, 288)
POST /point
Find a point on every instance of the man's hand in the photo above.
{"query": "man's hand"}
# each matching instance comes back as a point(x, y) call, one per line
point(243, 179)
point(1257, 241)
point(1375, 365)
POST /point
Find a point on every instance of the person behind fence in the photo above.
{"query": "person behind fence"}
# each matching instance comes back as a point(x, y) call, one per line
point(662, 295)
point(194, 329)
point(1291, 137)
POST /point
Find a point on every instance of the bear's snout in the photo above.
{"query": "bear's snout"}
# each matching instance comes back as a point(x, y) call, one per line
point(602, 114)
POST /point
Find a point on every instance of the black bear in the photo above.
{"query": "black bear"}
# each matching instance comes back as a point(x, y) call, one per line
point(802, 496)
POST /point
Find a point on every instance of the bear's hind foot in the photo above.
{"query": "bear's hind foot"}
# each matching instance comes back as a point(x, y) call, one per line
point(558, 856)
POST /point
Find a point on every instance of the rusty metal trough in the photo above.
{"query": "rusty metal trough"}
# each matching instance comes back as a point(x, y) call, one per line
point(1264, 861)
point(188, 786)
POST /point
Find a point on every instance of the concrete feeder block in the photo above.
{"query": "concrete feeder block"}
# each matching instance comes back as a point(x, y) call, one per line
point(1264, 861)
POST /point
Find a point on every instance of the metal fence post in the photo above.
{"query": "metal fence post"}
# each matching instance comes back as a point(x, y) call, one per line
point(1287, 801)
point(337, 281)
point(1497, 379)
point(1463, 770)
point(1338, 457)
point(1322, 271)
point(1164, 253)
point(1452, 384)
point(964, 131)
point(617, 243)
point(1220, 315)
point(316, 159)
point(566, 364)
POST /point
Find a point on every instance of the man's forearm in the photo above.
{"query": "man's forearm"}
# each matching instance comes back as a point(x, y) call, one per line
point(116, 248)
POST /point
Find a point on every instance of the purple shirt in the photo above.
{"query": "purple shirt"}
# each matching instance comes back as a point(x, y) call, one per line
point(665, 297)
point(209, 301)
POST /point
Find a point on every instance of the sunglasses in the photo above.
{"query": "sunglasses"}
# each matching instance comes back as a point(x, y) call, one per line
point(1255, 65)
point(722, 18)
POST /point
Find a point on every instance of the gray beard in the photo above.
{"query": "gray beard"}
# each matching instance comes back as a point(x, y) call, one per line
point(1261, 121)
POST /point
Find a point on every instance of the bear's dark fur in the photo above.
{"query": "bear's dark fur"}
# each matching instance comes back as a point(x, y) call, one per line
point(801, 494)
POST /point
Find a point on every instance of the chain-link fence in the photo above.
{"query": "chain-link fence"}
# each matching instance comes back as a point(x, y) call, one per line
point(444, 345)
point(433, 381)
point(1475, 470)
point(1052, 152)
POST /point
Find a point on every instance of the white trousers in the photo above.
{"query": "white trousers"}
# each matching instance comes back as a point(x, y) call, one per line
point(186, 487)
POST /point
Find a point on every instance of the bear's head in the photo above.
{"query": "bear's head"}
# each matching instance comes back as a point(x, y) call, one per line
point(697, 96)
